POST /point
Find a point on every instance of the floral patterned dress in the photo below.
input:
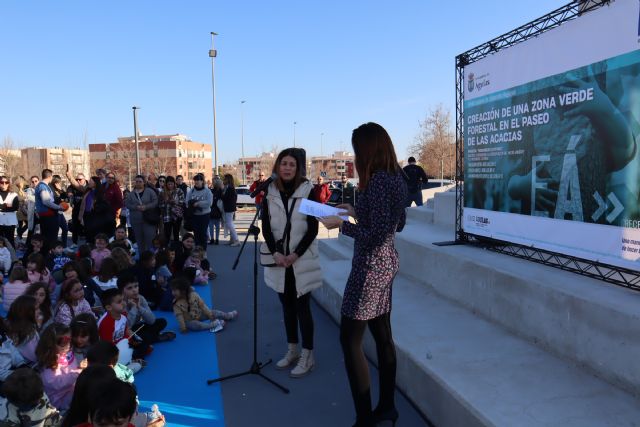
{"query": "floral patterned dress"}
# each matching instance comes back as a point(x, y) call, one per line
point(381, 212)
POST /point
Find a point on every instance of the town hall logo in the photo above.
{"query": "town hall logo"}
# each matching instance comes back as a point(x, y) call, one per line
point(471, 84)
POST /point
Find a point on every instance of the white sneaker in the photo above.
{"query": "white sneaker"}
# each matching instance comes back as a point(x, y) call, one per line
point(135, 367)
point(305, 364)
point(236, 243)
point(291, 356)
point(218, 325)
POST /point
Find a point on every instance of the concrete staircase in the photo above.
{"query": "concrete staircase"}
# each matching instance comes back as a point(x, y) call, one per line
point(487, 339)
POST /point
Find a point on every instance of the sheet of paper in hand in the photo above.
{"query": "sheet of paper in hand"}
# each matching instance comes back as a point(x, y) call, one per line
point(318, 210)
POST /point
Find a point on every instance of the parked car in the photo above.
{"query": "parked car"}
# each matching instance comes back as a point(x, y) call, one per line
point(243, 196)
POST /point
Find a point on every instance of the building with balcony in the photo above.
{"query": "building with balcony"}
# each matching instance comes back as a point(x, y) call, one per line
point(161, 154)
point(34, 159)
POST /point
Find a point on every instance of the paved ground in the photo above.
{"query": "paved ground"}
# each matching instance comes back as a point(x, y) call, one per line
point(322, 399)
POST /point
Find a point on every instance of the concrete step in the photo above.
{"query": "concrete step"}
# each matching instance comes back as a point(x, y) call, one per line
point(422, 213)
point(584, 320)
point(462, 370)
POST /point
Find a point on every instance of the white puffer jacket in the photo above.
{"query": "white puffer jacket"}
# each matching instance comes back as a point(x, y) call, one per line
point(307, 268)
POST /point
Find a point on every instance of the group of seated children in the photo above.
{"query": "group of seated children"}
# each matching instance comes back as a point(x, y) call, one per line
point(60, 320)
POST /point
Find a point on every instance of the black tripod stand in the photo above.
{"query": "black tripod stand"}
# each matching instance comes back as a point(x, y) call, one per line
point(255, 366)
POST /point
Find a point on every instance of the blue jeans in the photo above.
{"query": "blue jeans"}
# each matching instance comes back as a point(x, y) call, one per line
point(214, 228)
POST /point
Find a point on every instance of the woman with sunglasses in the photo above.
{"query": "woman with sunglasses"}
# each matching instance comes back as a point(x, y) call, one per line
point(8, 209)
point(75, 190)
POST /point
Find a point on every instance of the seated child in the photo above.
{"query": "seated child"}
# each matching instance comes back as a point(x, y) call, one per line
point(100, 252)
point(158, 243)
point(120, 240)
point(191, 311)
point(10, 357)
point(18, 283)
point(163, 277)
point(71, 302)
point(84, 256)
point(107, 353)
point(84, 334)
point(106, 278)
point(145, 270)
point(58, 365)
point(56, 260)
point(140, 315)
point(26, 403)
point(22, 328)
point(111, 403)
point(38, 272)
point(198, 260)
point(76, 270)
point(112, 325)
point(37, 247)
point(122, 258)
point(5, 258)
point(78, 412)
point(40, 292)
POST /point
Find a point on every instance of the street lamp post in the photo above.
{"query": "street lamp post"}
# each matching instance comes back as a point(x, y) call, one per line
point(294, 134)
point(321, 135)
point(244, 168)
point(135, 137)
point(212, 54)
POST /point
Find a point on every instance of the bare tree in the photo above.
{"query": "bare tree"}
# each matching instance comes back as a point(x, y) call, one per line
point(434, 145)
point(9, 159)
point(122, 161)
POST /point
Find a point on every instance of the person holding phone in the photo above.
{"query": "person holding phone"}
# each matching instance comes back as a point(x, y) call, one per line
point(380, 213)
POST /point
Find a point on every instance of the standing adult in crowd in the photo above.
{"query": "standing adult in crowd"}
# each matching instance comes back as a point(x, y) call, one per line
point(199, 201)
point(152, 181)
point(23, 206)
point(182, 185)
point(8, 209)
point(172, 208)
point(61, 199)
point(257, 183)
point(348, 190)
point(96, 214)
point(113, 196)
point(140, 199)
point(32, 218)
point(46, 209)
point(162, 180)
point(291, 238)
point(380, 212)
point(229, 201)
point(102, 175)
point(76, 189)
point(415, 177)
point(321, 190)
point(215, 218)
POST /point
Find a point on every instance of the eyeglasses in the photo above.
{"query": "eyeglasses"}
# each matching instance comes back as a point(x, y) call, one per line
point(63, 340)
point(34, 181)
point(79, 179)
point(111, 177)
point(4, 182)
point(161, 180)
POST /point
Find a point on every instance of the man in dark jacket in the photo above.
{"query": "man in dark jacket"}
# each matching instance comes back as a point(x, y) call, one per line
point(415, 177)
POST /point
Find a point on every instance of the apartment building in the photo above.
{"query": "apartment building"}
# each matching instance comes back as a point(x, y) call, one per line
point(34, 159)
point(160, 154)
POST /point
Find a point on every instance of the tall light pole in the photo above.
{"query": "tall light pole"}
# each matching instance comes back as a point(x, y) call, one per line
point(244, 168)
point(294, 134)
point(135, 137)
point(212, 54)
point(321, 135)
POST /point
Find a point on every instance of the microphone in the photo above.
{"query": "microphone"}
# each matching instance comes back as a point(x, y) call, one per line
point(260, 188)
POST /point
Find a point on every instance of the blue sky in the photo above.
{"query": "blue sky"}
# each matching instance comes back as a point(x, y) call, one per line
point(72, 68)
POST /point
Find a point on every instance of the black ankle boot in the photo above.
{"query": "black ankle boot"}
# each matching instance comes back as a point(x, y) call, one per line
point(217, 242)
point(387, 415)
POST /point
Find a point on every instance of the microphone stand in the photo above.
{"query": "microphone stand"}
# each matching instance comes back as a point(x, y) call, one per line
point(256, 366)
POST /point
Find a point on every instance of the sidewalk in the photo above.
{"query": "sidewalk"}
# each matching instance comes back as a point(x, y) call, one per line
point(321, 399)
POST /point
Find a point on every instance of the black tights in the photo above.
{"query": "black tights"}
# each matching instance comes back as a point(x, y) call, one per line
point(351, 336)
point(296, 310)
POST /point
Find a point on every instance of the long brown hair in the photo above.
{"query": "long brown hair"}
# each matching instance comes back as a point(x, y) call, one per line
point(374, 152)
point(47, 350)
point(298, 178)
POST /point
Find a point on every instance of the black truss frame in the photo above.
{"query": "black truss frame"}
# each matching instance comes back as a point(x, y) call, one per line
point(597, 270)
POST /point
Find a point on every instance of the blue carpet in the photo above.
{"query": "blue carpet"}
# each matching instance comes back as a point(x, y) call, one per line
point(176, 374)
